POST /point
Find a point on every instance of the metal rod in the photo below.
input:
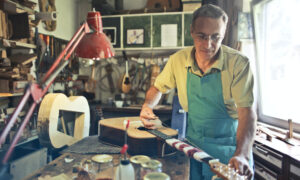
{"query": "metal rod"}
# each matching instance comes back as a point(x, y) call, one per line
point(54, 75)
point(17, 136)
point(48, 80)
point(14, 116)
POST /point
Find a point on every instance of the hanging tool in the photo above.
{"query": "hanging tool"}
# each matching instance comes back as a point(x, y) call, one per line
point(155, 70)
point(90, 85)
point(126, 85)
point(109, 71)
point(47, 54)
point(42, 50)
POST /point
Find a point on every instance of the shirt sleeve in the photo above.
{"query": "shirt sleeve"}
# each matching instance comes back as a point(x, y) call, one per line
point(165, 81)
point(242, 85)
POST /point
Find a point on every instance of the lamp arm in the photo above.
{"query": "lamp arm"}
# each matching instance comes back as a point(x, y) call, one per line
point(37, 91)
point(84, 28)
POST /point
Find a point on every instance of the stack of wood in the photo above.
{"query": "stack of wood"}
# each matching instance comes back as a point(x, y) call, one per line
point(16, 30)
point(16, 24)
point(4, 27)
point(15, 72)
point(5, 113)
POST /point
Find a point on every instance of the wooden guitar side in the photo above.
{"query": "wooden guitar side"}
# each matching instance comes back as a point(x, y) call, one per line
point(139, 141)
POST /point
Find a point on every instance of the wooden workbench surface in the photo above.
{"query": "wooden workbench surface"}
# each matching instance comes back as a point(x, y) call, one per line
point(176, 166)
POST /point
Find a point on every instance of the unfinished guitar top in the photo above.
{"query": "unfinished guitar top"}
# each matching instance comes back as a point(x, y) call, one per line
point(133, 131)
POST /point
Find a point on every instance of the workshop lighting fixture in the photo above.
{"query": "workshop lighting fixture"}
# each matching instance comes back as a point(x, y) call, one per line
point(94, 45)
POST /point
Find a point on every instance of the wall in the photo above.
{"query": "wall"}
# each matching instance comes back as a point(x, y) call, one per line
point(247, 5)
point(137, 4)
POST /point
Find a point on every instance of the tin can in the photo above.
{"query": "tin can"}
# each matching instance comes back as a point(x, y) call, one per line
point(136, 162)
point(150, 166)
point(157, 176)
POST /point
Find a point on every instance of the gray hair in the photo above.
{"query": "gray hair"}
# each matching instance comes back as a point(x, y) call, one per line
point(211, 11)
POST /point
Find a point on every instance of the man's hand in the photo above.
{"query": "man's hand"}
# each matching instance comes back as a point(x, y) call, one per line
point(241, 164)
point(146, 116)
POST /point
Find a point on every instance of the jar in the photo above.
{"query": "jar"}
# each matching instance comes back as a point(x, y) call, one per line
point(136, 162)
point(87, 167)
point(103, 167)
point(157, 176)
point(150, 166)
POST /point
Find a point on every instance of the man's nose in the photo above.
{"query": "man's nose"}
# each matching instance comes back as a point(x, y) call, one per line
point(207, 43)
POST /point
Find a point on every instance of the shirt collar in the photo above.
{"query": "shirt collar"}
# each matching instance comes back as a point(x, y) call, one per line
point(217, 65)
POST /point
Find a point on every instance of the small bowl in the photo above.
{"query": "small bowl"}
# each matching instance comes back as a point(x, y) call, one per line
point(119, 103)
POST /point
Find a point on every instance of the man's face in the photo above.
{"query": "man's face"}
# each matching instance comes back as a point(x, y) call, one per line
point(207, 34)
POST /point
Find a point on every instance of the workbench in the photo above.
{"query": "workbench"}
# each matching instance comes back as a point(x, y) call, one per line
point(175, 165)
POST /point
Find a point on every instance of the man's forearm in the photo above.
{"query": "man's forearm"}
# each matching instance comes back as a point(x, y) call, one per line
point(246, 131)
point(153, 96)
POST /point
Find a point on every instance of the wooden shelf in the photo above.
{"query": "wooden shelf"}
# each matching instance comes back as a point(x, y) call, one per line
point(13, 7)
point(147, 52)
point(15, 44)
point(10, 94)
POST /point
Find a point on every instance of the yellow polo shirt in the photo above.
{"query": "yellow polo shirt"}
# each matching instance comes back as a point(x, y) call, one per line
point(236, 76)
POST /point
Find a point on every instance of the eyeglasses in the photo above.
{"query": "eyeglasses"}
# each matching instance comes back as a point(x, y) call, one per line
point(203, 37)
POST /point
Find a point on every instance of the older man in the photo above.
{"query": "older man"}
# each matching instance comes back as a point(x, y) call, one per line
point(215, 87)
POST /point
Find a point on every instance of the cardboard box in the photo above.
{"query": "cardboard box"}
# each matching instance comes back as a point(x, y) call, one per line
point(4, 88)
point(190, 6)
point(18, 86)
point(9, 86)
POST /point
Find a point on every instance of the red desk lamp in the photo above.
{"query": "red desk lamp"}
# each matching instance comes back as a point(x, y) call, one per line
point(93, 45)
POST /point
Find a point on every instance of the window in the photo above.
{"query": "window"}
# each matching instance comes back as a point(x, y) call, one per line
point(277, 38)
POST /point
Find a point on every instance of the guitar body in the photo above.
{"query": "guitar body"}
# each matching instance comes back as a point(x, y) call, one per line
point(126, 86)
point(139, 142)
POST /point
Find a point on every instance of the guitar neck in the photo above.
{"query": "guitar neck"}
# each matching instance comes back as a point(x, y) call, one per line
point(159, 134)
point(222, 170)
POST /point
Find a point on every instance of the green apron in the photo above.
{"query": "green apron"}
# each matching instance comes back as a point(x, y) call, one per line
point(209, 125)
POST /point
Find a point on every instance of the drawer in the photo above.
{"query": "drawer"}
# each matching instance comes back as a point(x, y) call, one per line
point(264, 173)
point(295, 170)
point(30, 161)
point(268, 155)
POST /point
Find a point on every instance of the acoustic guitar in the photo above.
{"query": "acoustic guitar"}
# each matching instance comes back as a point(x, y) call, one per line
point(140, 142)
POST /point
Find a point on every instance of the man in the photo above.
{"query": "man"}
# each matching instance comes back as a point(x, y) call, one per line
point(214, 84)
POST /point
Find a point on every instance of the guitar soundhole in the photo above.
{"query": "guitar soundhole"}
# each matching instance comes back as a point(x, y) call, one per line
point(142, 128)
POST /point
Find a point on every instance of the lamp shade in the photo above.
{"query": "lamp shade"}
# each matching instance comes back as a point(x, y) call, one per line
point(95, 45)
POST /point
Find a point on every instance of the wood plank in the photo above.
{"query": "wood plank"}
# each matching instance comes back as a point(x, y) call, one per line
point(11, 43)
point(23, 58)
point(13, 7)
point(9, 75)
point(10, 94)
